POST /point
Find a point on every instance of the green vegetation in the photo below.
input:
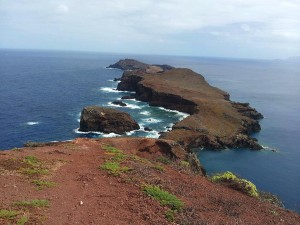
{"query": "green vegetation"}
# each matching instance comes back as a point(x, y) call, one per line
point(117, 154)
point(158, 167)
point(114, 168)
point(184, 164)
point(31, 161)
point(163, 160)
point(170, 215)
point(36, 203)
point(22, 220)
point(34, 171)
point(8, 214)
point(111, 149)
point(164, 197)
point(41, 184)
point(233, 181)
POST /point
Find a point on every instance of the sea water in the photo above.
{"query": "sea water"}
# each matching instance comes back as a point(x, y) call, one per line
point(43, 92)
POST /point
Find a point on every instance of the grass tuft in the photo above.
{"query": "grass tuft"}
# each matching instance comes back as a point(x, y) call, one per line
point(170, 215)
point(114, 168)
point(163, 160)
point(41, 184)
point(8, 214)
point(159, 168)
point(164, 197)
point(22, 220)
point(34, 171)
point(31, 161)
point(36, 203)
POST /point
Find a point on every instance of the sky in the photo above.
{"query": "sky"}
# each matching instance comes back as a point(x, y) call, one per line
point(215, 28)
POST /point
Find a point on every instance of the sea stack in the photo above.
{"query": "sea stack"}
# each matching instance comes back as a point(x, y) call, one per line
point(106, 120)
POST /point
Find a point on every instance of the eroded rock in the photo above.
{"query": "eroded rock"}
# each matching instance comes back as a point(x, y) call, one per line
point(106, 120)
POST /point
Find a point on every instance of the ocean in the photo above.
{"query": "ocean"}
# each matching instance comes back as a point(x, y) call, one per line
point(43, 92)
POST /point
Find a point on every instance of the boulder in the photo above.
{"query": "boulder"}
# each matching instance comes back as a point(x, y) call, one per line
point(120, 103)
point(106, 120)
point(147, 129)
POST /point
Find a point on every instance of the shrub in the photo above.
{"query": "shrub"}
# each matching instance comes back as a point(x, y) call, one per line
point(164, 197)
point(233, 181)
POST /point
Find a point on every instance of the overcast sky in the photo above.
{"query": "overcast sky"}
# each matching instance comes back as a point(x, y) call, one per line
point(222, 28)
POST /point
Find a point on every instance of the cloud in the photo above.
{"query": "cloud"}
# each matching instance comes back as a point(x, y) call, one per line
point(62, 9)
point(141, 22)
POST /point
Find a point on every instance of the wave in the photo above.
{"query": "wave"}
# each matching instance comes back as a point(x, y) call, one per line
point(270, 148)
point(113, 90)
point(151, 120)
point(181, 114)
point(111, 135)
point(147, 113)
point(110, 90)
point(77, 131)
point(153, 134)
point(32, 123)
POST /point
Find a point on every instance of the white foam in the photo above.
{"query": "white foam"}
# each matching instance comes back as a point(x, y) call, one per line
point(109, 89)
point(32, 123)
point(181, 114)
point(147, 113)
point(151, 120)
point(110, 135)
point(153, 134)
point(129, 133)
point(88, 132)
point(270, 148)
point(132, 106)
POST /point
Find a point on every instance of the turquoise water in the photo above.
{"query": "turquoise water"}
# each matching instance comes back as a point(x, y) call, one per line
point(42, 95)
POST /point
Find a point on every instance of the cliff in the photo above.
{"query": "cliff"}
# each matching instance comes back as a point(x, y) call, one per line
point(215, 122)
point(121, 181)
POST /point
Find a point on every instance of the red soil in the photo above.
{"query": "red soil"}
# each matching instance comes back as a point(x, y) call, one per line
point(85, 194)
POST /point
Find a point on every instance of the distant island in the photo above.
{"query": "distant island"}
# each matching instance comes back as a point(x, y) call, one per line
point(215, 122)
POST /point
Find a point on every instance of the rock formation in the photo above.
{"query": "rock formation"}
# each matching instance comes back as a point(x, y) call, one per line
point(215, 122)
point(120, 103)
point(106, 120)
point(131, 64)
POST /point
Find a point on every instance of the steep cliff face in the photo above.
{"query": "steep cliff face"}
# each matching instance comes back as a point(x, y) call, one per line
point(215, 122)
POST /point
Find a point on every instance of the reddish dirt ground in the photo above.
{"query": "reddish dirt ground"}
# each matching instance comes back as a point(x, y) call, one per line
point(87, 194)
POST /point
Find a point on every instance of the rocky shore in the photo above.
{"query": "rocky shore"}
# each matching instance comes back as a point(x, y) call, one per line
point(215, 122)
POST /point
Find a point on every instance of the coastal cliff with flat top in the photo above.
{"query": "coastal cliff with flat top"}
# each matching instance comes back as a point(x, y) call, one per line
point(215, 122)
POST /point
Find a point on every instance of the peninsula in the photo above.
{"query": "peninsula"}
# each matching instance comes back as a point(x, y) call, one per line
point(215, 122)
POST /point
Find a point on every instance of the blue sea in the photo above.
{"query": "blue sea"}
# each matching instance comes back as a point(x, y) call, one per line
point(43, 92)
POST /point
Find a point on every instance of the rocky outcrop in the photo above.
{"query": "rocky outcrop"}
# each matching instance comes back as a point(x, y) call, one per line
point(215, 122)
point(106, 120)
point(120, 103)
point(128, 64)
point(132, 64)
